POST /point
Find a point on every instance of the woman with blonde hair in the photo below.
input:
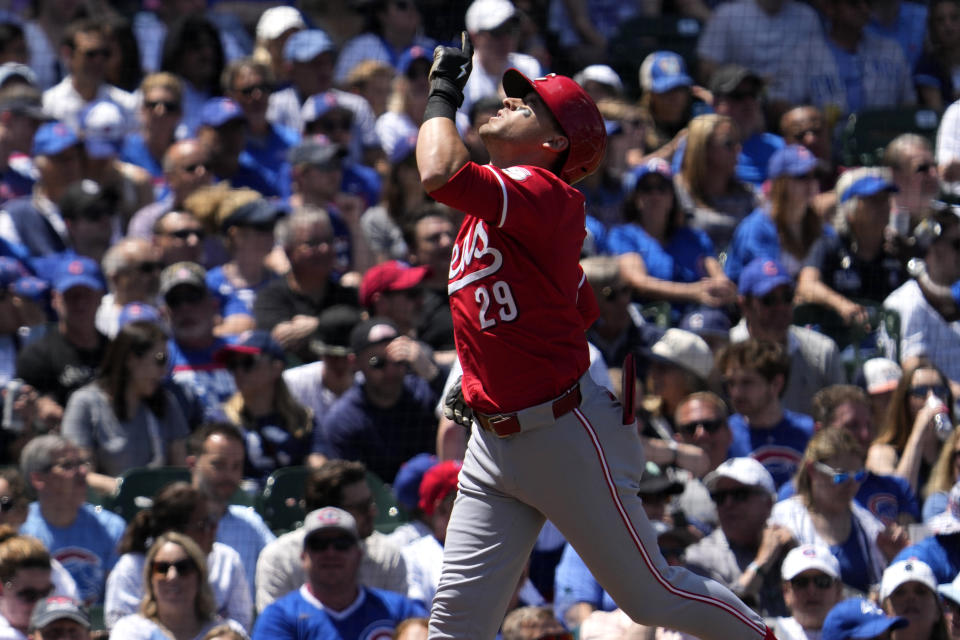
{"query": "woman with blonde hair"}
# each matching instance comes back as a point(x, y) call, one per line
point(824, 512)
point(277, 429)
point(24, 580)
point(707, 182)
point(177, 602)
point(945, 474)
point(159, 115)
point(907, 445)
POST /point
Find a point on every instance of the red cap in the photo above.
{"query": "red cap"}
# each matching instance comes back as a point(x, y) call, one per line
point(438, 481)
point(390, 276)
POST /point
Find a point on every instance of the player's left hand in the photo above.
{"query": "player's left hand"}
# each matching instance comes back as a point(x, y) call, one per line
point(455, 407)
point(453, 65)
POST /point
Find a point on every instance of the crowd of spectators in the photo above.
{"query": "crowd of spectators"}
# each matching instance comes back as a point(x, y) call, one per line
point(216, 255)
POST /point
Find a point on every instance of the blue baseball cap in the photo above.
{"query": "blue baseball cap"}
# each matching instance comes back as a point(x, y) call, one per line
point(79, 271)
point(706, 321)
point(304, 46)
point(868, 186)
point(858, 618)
point(102, 126)
point(253, 343)
point(53, 138)
point(319, 104)
point(138, 312)
point(33, 288)
point(654, 165)
point(761, 276)
point(792, 160)
point(406, 486)
point(10, 271)
point(217, 112)
point(662, 71)
point(403, 149)
point(411, 55)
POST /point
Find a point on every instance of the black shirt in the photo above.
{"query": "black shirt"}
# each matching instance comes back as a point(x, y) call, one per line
point(54, 366)
point(848, 275)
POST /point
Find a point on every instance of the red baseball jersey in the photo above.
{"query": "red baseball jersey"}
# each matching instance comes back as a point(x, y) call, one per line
point(519, 299)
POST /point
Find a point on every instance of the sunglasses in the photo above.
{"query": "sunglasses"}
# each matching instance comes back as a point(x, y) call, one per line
point(612, 293)
point(184, 567)
point(168, 106)
point(184, 234)
point(90, 54)
point(244, 364)
point(339, 543)
point(186, 296)
point(839, 475)
point(923, 390)
point(774, 299)
point(662, 186)
point(247, 92)
point(820, 581)
point(70, 466)
point(710, 426)
point(378, 363)
point(30, 594)
point(738, 495)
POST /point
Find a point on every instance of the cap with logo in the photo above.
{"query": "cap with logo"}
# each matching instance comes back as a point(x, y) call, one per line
point(55, 608)
point(910, 570)
point(761, 276)
point(664, 71)
point(182, 273)
point(746, 471)
point(217, 112)
point(372, 332)
point(254, 342)
point(858, 619)
point(53, 138)
point(79, 271)
point(329, 519)
point(102, 127)
point(304, 46)
point(808, 557)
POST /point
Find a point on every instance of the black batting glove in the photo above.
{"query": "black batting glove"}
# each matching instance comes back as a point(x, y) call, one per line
point(451, 69)
point(455, 407)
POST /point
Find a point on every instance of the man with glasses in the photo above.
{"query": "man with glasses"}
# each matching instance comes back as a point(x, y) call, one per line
point(811, 587)
point(754, 374)
point(744, 553)
point(87, 51)
point(83, 538)
point(332, 603)
point(387, 417)
point(916, 175)
point(341, 484)
point(766, 301)
point(132, 268)
point(185, 170)
point(178, 236)
point(923, 330)
point(204, 383)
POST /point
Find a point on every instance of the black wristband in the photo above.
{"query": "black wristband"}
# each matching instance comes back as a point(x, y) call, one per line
point(444, 100)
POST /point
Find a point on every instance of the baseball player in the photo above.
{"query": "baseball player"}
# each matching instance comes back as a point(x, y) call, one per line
point(547, 442)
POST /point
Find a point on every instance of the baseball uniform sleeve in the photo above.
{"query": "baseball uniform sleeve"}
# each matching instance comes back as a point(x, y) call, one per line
point(587, 302)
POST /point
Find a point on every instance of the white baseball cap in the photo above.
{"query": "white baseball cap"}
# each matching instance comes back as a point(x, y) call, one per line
point(911, 570)
point(881, 375)
point(601, 73)
point(686, 350)
point(951, 590)
point(276, 21)
point(807, 557)
point(487, 15)
point(746, 471)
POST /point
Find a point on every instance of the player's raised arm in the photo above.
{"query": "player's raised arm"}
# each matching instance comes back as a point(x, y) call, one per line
point(440, 151)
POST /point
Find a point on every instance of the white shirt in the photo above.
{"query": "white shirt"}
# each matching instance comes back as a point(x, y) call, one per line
point(424, 560)
point(62, 102)
point(923, 331)
point(948, 135)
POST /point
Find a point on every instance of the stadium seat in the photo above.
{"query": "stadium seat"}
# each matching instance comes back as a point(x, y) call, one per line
point(865, 134)
point(281, 501)
point(137, 487)
point(390, 514)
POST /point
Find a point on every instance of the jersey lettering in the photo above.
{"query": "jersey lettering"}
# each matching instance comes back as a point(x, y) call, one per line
point(476, 245)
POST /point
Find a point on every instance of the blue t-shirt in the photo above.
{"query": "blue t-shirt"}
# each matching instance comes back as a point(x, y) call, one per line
point(87, 548)
point(680, 260)
point(575, 583)
point(755, 237)
point(851, 75)
point(942, 553)
point(779, 449)
point(886, 497)
point(300, 616)
point(270, 155)
point(909, 30)
point(752, 161)
point(233, 300)
point(203, 381)
point(135, 151)
point(853, 558)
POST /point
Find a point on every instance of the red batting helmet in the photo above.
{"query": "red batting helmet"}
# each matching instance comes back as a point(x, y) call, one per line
point(576, 113)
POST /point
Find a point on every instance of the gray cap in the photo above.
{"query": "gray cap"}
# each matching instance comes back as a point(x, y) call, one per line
point(182, 273)
point(727, 78)
point(317, 154)
point(329, 518)
point(56, 608)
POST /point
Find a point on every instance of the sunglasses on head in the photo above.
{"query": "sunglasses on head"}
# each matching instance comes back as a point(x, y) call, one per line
point(738, 495)
point(710, 426)
point(184, 567)
point(168, 105)
point(775, 298)
point(30, 594)
point(187, 295)
point(184, 234)
point(839, 475)
point(923, 390)
point(339, 543)
point(820, 581)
